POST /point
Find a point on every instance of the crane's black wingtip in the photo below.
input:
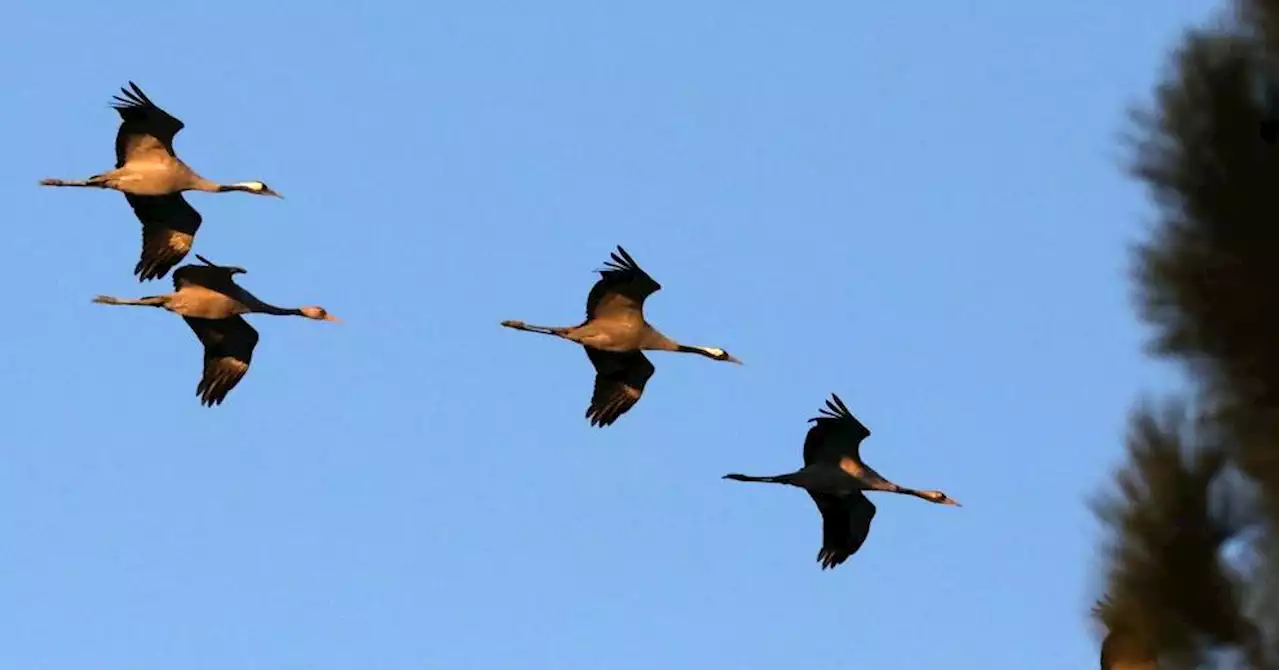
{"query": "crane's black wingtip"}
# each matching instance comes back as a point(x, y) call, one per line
point(208, 399)
point(830, 559)
point(835, 409)
point(150, 273)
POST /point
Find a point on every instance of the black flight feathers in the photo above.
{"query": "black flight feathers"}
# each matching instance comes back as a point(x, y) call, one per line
point(229, 268)
point(210, 275)
point(622, 268)
point(136, 106)
point(619, 261)
point(132, 99)
point(837, 411)
point(621, 276)
point(835, 432)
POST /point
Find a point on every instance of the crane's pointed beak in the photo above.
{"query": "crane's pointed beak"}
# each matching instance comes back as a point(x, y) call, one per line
point(732, 359)
point(330, 317)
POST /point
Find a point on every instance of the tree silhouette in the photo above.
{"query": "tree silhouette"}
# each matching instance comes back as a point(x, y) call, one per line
point(1191, 573)
point(1175, 509)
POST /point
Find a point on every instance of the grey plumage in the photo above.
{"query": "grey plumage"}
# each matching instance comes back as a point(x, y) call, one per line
point(615, 335)
point(153, 179)
point(212, 304)
point(835, 477)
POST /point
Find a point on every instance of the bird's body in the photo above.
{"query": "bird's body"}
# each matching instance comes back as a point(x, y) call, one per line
point(615, 336)
point(820, 477)
point(836, 478)
point(212, 304)
point(202, 303)
point(153, 179)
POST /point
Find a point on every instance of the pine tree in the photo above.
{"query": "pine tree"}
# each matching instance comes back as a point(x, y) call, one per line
point(1191, 577)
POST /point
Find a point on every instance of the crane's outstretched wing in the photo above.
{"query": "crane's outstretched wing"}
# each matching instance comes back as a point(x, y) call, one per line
point(146, 129)
point(835, 433)
point(228, 350)
point(620, 379)
point(621, 290)
point(845, 525)
point(169, 225)
point(218, 278)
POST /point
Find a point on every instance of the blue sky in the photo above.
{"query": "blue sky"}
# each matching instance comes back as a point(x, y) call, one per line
point(921, 209)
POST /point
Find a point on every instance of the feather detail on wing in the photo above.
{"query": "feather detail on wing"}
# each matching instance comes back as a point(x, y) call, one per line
point(228, 351)
point(620, 380)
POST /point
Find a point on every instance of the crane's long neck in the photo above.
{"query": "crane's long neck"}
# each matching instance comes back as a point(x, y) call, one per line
point(656, 341)
point(653, 340)
point(194, 182)
point(258, 306)
point(214, 187)
point(264, 308)
point(713, 354)
point(923, 495)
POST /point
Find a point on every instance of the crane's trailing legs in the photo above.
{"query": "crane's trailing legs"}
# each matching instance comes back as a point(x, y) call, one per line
point(149, 301)
point(96, 181)
point(776, 479)
point(544, 330)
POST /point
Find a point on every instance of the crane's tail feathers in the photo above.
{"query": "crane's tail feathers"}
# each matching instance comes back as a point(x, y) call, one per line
point(149, 301)
point(776, 479)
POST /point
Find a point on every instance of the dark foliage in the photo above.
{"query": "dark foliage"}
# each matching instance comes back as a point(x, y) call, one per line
point(1191, 574)
point(1174, 511)
point(1207, 277)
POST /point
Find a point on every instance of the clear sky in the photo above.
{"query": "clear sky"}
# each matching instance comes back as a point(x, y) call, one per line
point(919, 206)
